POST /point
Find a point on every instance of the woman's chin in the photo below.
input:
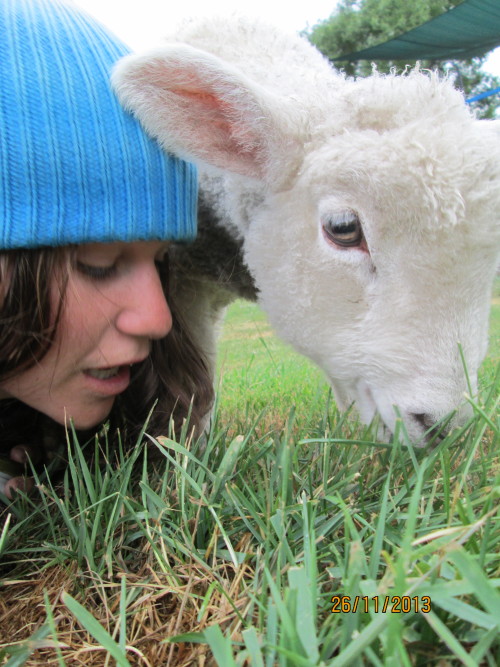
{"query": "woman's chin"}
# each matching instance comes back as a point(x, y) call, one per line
point(87, 418)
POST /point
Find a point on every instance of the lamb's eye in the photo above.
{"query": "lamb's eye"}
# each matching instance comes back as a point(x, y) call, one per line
point(343, 229)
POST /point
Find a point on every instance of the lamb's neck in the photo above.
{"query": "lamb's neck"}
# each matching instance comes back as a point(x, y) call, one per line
point(233, 201)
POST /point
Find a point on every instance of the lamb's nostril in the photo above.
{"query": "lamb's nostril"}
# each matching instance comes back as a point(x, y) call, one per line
point(434, 431)
point(424, 420)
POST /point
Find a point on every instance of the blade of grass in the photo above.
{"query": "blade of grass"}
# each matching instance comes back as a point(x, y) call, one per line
point(221, 646)
point(253, 647)
point(447, 637)
point(94, 628)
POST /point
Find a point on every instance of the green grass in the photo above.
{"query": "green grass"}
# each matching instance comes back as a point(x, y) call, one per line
point(259, 373)
point(489, 365)
point(233, 549)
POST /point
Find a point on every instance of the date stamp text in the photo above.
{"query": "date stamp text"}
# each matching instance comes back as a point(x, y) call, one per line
point(394, 604)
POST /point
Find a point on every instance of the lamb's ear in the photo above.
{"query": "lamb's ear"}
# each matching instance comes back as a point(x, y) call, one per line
point(205, 110)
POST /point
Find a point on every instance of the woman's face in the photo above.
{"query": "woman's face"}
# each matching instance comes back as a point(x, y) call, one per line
point(114, 306)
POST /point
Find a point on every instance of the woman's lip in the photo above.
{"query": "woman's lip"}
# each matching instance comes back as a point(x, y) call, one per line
point(108, 386)
point(132, 362)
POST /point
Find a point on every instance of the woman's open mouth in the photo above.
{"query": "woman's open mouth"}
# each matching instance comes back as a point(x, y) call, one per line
point(108, 381)
point(104, 373)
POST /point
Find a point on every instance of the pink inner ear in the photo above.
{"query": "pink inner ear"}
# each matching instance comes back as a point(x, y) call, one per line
point(207, 104)
point(207, 99)
point(225, 141)
point(225, 116)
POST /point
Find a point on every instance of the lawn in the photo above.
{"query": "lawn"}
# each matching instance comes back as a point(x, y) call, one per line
point(291, 537)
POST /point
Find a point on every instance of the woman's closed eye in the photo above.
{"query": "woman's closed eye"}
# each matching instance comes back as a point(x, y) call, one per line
point(107, 261)
point(96, 272)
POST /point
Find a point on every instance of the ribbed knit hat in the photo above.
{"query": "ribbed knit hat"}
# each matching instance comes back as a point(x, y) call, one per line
point(74, 166)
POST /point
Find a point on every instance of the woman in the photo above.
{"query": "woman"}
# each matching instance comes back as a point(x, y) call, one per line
point(88, 206)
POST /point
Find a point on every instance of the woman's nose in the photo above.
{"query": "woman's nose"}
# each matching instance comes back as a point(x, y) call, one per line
point(145, 311)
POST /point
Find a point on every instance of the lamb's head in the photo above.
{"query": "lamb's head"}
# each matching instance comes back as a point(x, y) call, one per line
point(374, 237)
point(392, 284)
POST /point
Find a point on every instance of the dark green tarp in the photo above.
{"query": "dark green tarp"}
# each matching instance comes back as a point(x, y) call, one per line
point(470, 29)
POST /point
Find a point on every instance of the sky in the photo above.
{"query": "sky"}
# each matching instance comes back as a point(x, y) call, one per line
point(143, 23)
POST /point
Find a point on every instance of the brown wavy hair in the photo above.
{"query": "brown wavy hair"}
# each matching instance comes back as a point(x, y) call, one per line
point(174, 377)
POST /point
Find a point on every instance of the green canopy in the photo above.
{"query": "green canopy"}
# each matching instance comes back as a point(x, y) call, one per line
point(470, 29)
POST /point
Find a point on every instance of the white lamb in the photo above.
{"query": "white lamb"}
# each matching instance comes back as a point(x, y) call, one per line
point(366, 211)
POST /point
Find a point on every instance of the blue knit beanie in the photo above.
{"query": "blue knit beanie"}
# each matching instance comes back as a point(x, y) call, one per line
point(74, 166)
